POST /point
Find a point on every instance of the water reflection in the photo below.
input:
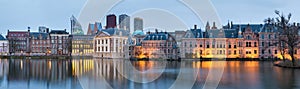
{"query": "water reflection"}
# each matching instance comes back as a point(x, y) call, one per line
point(109, 74)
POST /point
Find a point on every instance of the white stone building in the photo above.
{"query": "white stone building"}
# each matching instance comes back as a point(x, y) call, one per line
point(110, 43)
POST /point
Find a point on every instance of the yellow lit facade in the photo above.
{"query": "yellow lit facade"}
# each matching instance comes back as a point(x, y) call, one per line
point(82, 45)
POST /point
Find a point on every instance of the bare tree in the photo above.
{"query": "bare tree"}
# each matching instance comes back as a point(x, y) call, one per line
point(288, 35)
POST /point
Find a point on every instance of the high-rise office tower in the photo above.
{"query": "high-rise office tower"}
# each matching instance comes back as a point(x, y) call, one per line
point(124, 22)
point(111, 21)
point(138, 24)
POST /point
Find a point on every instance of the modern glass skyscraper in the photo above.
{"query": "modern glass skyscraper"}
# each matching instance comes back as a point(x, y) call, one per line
point(138, 24)
point(124, 22)
point(76, 28)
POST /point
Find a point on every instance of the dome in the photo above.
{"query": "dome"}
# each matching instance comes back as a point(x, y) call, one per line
point(138, 32)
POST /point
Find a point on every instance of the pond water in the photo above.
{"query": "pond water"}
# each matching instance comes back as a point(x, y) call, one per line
point(124, 74)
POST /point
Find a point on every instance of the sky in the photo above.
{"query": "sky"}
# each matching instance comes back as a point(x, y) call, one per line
point(55, 14)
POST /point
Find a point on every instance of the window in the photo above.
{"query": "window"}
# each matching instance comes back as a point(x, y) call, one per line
point(240, 44)
point(255, 44)
point(255, 51)
point(234, 52)
point(262, 36)
point(207, 46)
point(262, 43)
point(249, 44)
point(270, 36)
point(275, 52)
point(248, 37)
point(229, 46)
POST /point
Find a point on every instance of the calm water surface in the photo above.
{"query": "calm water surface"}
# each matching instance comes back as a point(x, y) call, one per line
point(123, 74)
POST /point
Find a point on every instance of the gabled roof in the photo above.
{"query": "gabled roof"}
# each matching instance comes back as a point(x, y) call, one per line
point(194, 33)
point(223, 33)
point(115, 32)
point(254, 27)
point(268, 28)
point(138, 32)
point(2, 37)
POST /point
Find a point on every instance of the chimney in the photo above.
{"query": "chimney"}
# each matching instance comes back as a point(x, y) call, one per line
point(195, 26)
point(47, 30)
point(214, 25)
point(28, 28)
point(231, 24)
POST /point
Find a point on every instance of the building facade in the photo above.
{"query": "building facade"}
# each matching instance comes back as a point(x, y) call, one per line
point(19, 42)
point(4, 47)
point(82, 45)
point(39, 44)
point(159, 45)
point(110, 43)
point(60, 42)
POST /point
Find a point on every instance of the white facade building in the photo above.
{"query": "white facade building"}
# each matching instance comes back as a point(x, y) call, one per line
point(110, 43)
point(3, 46)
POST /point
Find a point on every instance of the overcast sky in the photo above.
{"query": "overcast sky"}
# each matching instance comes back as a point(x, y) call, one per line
point(55, 14)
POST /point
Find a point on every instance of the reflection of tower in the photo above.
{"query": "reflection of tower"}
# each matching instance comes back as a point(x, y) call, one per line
point(124, 22)
point(138, 24)
point(111, 21)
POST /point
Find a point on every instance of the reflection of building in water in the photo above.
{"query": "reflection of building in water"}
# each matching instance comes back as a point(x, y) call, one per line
point(81, 67)
point(50, 70)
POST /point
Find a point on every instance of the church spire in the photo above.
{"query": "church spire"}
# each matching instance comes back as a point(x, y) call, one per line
point(207, 26)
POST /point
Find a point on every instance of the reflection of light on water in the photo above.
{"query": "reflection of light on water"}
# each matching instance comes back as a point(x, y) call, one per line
point(144, 65)
point(49, 65)
point(80, 67)
point(21, 64)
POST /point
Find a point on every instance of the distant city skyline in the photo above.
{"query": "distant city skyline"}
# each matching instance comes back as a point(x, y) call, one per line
point(55, 14)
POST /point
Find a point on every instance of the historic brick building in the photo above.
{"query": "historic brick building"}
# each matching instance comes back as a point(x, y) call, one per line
point(60, 42)
point(40, 44)
point(19, 42)
point(159, 45)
